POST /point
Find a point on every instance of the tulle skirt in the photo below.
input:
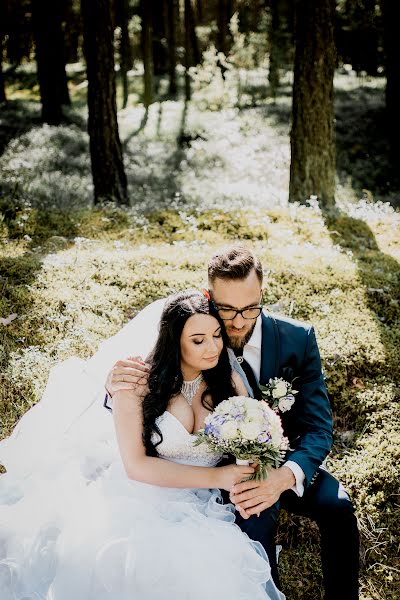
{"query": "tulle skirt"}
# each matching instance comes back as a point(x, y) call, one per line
point(74, 527)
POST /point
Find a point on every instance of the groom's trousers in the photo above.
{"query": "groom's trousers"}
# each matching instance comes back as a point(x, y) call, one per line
point(327, 503)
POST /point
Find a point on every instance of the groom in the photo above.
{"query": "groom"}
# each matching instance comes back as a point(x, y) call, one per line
point(270, 346)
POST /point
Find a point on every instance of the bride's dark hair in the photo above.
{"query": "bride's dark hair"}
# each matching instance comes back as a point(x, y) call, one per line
point(165, 376)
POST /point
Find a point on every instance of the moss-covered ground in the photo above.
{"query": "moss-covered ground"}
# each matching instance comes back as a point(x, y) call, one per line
point(71, 276)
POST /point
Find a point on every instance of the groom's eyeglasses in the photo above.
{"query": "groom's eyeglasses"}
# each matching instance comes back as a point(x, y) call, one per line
point(228, 314)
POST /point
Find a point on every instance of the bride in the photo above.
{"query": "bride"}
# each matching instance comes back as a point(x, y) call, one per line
point(95, 507)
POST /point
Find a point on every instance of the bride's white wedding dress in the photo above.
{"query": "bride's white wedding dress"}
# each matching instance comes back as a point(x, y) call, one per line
point(74, 527)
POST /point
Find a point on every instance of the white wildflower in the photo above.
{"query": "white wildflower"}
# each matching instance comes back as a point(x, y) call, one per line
point(250, 431)
point(229, 430)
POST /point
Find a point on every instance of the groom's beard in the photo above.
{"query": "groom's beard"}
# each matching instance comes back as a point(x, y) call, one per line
point(238, 342)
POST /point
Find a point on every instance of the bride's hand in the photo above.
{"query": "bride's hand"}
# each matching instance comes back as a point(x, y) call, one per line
point(230, 475)
point(130, 374)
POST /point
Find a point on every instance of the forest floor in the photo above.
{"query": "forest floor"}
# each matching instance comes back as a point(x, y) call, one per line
point(200, 175)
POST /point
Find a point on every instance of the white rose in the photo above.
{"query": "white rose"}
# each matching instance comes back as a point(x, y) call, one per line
point(255, 415)
point(250, 431)
point(228, 430)
point(251, 403)
point(275, 429)
point(286, 403)
point(276, 433)
point(238, 400)
point(280, 390)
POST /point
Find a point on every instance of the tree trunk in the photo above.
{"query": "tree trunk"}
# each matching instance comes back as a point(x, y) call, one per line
point(3, 97)
point(196, 56)
point(160, 50)
point(72, 32)
point(3, 30)
point(274, 48)
point(391, 15)
point(188, 49)
point(105, 147)
point(171, 35)
point(49, 39)
point(199, 11)
point(147, 49)
point(19, 31)
point(312, 168)
point(125, 49)
point(192, 52)
point(224, 15)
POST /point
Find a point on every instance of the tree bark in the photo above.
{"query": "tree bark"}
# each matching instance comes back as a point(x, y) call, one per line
point(171, 37)
point(3, 28)
point(312, 168)
point(108, 172)
point(391, 16)
point(3, 97)
point(224, 15)
point(125, 49)
point(147, 49)
point(19, 31)
point(159, 25)
point(199, 11)
point(196, 56)
point(188, 49)
point(49, 40)
point(73, 31)
point(192, 52)
point(274, 48)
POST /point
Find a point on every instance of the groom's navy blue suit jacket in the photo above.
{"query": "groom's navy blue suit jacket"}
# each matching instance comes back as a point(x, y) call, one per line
point(289, 350)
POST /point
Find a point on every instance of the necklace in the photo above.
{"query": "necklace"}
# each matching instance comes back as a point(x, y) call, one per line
point(190, 388)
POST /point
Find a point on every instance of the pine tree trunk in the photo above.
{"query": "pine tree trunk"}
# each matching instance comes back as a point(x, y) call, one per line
point(188, 49)
point(125, 50)
point(147, 49)
point(195, 52)
point(159, 24)
point(192, 52)
point(3, 97)
point(73, 31)
point(108, 172)
point(3, 29)
point(199, 11)
point(312, 168)
point(274, 48)
point(391, 16)
point(18, 44)
point(171, 31)
point(49, 40)
point(224, 15)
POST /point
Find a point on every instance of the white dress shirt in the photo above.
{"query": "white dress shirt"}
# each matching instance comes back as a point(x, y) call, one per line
point(252, 354)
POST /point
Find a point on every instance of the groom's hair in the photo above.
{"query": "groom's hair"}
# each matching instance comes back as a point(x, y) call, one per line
point(234, 262)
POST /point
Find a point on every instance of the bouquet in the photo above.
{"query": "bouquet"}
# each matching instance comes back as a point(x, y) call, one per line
point(279, 394)
point(249, 430)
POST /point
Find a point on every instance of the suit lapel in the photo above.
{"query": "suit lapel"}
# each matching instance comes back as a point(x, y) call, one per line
point(270, 348)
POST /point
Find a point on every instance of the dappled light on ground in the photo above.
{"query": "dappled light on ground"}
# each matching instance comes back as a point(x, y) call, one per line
point(71, 291)
point(201, 174)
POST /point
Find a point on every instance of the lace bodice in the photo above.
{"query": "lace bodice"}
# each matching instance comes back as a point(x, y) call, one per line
point(177, 444)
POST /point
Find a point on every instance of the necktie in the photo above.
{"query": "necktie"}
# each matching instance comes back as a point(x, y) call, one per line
point(251, 378)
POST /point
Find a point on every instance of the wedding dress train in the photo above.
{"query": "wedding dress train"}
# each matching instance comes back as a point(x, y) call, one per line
point(74, 527)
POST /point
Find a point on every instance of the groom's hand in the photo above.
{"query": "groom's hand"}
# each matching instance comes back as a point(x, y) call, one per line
point(252, 497)
point(129, 374)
